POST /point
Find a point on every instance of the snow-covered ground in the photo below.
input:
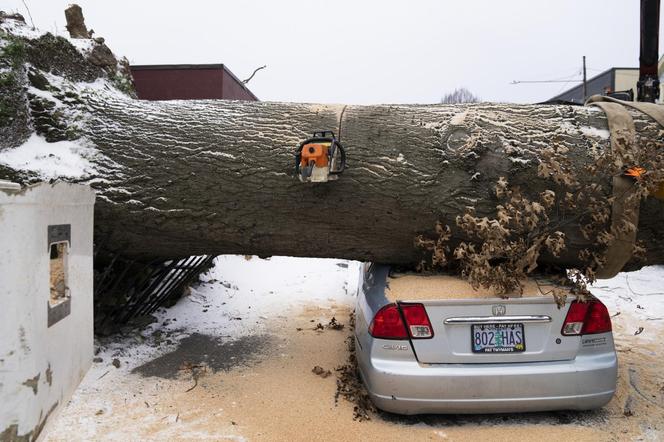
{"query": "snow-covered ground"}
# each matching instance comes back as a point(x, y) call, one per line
point(635, 299)
point(268, 309)
point(237, 298)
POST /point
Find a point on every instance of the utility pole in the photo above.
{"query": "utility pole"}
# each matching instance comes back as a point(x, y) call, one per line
point(647, 88)
point(585, 84)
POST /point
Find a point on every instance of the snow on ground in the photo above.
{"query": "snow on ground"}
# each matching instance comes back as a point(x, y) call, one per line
point(237, 297)
point(50, 160)
point(14, 27)
point(635, 299)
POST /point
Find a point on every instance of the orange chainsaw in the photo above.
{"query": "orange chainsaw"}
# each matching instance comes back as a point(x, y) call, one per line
point(320, 158)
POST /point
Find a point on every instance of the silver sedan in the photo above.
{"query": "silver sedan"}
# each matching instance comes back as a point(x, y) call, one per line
point(432, 344)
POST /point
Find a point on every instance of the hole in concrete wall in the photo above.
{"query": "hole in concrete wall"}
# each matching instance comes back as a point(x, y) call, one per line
point(58, 274)
point(59, 300)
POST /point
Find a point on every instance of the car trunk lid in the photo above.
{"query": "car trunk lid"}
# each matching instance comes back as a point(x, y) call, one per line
point(462, 317)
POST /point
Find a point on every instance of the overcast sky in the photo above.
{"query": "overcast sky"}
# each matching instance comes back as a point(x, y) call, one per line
point(363, 52)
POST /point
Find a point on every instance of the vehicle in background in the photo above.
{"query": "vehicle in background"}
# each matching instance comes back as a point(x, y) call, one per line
point(433, 344)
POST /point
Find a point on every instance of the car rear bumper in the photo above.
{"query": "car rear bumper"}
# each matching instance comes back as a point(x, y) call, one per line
point(408, 387)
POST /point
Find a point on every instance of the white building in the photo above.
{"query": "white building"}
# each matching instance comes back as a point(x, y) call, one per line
point(46, 286)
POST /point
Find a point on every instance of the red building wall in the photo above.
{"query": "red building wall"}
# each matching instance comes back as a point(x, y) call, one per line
point(188, 82)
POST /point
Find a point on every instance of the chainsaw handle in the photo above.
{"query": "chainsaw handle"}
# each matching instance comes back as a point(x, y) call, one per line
point(334, 144)
point(322, 134)
point(342, 158)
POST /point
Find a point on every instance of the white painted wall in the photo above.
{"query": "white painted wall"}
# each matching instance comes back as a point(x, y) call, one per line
point(626, 79)
point(61, 354)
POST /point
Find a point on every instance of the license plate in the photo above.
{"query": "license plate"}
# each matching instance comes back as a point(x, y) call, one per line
point(497, 338)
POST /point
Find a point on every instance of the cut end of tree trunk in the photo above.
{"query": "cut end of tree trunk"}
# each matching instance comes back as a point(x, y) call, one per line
point(76, 22)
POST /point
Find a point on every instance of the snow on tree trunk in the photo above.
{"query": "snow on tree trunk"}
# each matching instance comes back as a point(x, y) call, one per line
point(183, 178)
point(180, 178)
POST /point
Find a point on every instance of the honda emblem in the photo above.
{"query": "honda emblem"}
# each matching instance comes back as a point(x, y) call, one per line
point(499, 310)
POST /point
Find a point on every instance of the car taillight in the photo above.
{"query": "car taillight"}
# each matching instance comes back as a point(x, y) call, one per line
point(586, 318)
point(389, 322)
point(417, 320)
point(597, 319)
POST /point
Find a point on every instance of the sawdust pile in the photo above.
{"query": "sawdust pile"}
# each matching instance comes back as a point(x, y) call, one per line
point(278, 398)
point(411, 287)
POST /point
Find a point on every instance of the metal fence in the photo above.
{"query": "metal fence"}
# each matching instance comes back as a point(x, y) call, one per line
point(125, 290)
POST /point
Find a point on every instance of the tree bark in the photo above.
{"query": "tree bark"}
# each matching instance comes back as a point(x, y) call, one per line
point(182, 178)
point(217, 177)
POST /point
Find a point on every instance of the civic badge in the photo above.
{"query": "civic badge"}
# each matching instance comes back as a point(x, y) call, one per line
point(499, 310)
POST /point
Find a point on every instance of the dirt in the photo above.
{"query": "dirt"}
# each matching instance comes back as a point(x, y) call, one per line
point(408, 287)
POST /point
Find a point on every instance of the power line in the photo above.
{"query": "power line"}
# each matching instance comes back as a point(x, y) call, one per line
point(545, 81)
point(566, 79)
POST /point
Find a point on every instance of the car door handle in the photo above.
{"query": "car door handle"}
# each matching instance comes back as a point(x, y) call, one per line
point(497, 319)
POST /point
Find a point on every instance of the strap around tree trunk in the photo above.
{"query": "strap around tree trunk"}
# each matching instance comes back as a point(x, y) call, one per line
point(625, 207)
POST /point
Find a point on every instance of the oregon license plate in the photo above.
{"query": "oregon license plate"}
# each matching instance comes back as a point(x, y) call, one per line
point(497, 338)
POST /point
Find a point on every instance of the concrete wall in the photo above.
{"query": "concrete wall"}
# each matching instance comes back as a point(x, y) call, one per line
point(46, 348)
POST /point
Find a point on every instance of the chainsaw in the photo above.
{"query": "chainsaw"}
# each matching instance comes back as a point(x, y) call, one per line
point(320, 159)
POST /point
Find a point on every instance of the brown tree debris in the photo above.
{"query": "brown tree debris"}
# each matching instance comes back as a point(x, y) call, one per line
point(320, 371)
point(349, 384)
point(351, 388)
point(334, 324)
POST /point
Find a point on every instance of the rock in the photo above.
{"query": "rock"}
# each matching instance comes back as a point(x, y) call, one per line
point(116, 363)
point(15, 16)
point(102, 56)
point(99, 40)
point(97, 360)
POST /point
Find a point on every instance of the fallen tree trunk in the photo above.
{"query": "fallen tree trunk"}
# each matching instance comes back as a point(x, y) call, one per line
point(212, 177)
